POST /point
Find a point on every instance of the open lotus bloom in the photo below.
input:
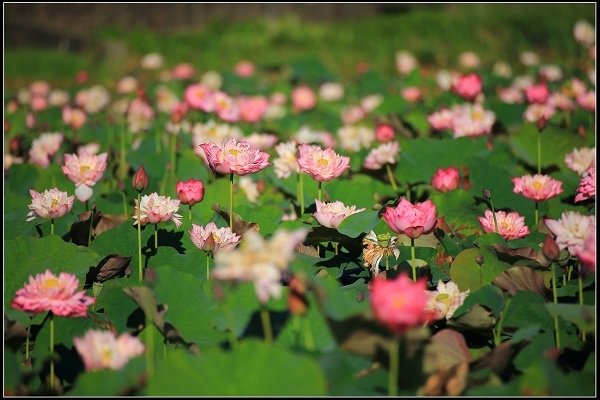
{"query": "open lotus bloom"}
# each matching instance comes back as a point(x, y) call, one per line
point(510, 225)
point(537, 187)
point(581, 160)
point(209, 238)
point(571, 230)
point(85, 168)
point(412, 220)
point(233, 157)
point(331, 215)
point(321, 165)
point(50, 204)
point(103, 350)
point(287, 162)
point(587, 186)
point(445, 300)
point(386, 153)
point(155, 209)
point(47, 292)
point(446, 179)
point(260, 261)
point(587, 254)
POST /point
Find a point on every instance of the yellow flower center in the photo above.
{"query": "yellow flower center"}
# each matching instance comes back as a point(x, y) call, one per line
point(84, 168)
point(477, 115)
point(234, 152)
point(323, 162)
point(54, 203)
point(106, 355)
point(216, 237)
point(442, 297)
point(51, 283)
point(398, 302)
point(537, 185)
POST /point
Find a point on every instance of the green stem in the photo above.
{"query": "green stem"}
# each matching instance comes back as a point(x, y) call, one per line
point(320, 194)
point(231, 201)
point(537, 215)
point(555, 300)
point(394, 362)
point(149, 348)
point(51, 350)
point(301, 194)
point(408, 191)
point(539, 153)
point(156, 236)
point(139, 237)
point(494, 215)
point(569, 272)
point(52, 226)
point(308, 336)
point(498, 333)
point(157, 133)
point(90, 229)
point(266, 324)
point(27, 342)
point(335, 247)
point(580, 278)
point(207, 266)
point(173, 153)
point(387, 263)
point(123, 157)
point(391, 177)
point(412, 255)
point(190, 212)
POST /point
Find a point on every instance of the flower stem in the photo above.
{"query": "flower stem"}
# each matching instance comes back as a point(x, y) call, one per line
point(494, 215)
point(537, 215)
point(301, 194)
point(391, 178)
point(539, 153)
point(149, 348)
point(51, 350)
point(266, 323)
point(231, 201)
point(308, 336)
point(173, 153)
point(156, 236)
point(157, 133)
point(393, 376)
point(580, 278)
point(408, 191)
point(555, 300)
point(190, 213)
point(139, 237)
point(498, 333)
point(91, 224)
point(207, 266)
point(412, 255)
point(335, 247)
point(320, 194)
point(52, 226)
point(27, 342)
point(124, 205)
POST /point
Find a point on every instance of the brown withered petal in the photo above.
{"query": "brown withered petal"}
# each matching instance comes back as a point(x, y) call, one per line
point(239, 226)
point(522, 278)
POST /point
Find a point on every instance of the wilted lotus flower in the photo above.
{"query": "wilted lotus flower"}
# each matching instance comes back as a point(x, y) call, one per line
point(155, 209)
point(212, 239)
point(571, 230)
point(47, 292)
point(102, 350)
point(386, 153)
point(50, 204)
point(446, 179)
point(331, 215)
point(412, 220)
point(587, 186)
point(376, 248)
point(321, 165)
point(537, 187)
point(445, 300)
point(233, 157)
point(510, 225)
point(580, 160)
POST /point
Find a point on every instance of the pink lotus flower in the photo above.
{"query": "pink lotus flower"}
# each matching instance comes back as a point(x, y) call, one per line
point(102, 350)
point(581, 160)
point(441, 120)
point(587, 186)
point(405, 62)
point(472, 120)
point(468, 87)
point(321, 165)
point(536, 111)
point(253, 108)
point(331, 215)
point(44, 147)
point(303, 98)
point(50, 204)
point(85, 168)
point(190, 192)
point(352, 114)
point(262, 141)
point(537, 93)
point(212, 239)
point(139, 115)
point(38, 103)
point(537, 187)
point(234, 157)
point(226, 107)
point(399, 304)
point(200, 97)
point(287, 162)
point(561, 101)
point(384, 133)
point(571, 230)
point(58, 294)
point(386, 153)
point(127, 84)
point(587, 101)
point(412, 94)
point(446, 179)
point(510, 225)
point(587, 254)
point(155, 209)
point(469, 59)
point(511, 95)
point(412, 220)
point(74, 117)
point(183, 71)
point(245, 69)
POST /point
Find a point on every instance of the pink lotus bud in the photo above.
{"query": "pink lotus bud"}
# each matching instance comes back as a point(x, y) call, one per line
point(140, 179)
point(445, 179)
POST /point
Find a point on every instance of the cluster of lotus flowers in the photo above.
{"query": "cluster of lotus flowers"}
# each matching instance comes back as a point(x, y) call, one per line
point(399, 304)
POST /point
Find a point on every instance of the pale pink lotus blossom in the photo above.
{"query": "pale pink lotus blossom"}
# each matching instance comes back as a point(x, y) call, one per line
point(287, 163)
point(90, 148)
point(441, 120)
point(51, 204)
point(190, 192)
point(445, 79)
point(226, 107)
point(262, 141)
point(405, 62)
point(354, 137)
point(587, 186)
point(212, 79)
point(260, 261)
point(84, 169)
point(331, 91)
point(561, 101)
point(352, 114)
point(537, 187)
point(93, 99)
point(38, 103)
point(587, 101)
point(307, 135)
point(384, 132)
point(274, 111)
point(209, 238)
point(587, 254)
point(469, 60)
point(303, 98)
point(213, 132)
point(468, 86)
point(412, 94)
point(233, 157)
point(386, 153)
point(245, 69)
point(510, 95)
point(155, 209)
point(321, 165)
point(39, 88)
point(523, 82)
point(510, 225)
point(58, 294)
point(250, 188)
point(472, 120)
point(400, 304)
point(582, 159)
point(166, 99)
point(102, 350)
point(536, 111)
point(74, 117)
point(30, 120)
point(183, 71)
point(152, 61)
point(139, 115)
point(200, 97)
point(574, 88)
point(445, 300)
point(445, 179)
point(44, 147)
point(412, 220)
point(127, 84)
point(252, 109)
point(278, 98)
point(571, 230)
point(529, 58)
point(331, 215)
point(551, 73)
point(537, 94)
point(584, 33)
point(371, 102)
